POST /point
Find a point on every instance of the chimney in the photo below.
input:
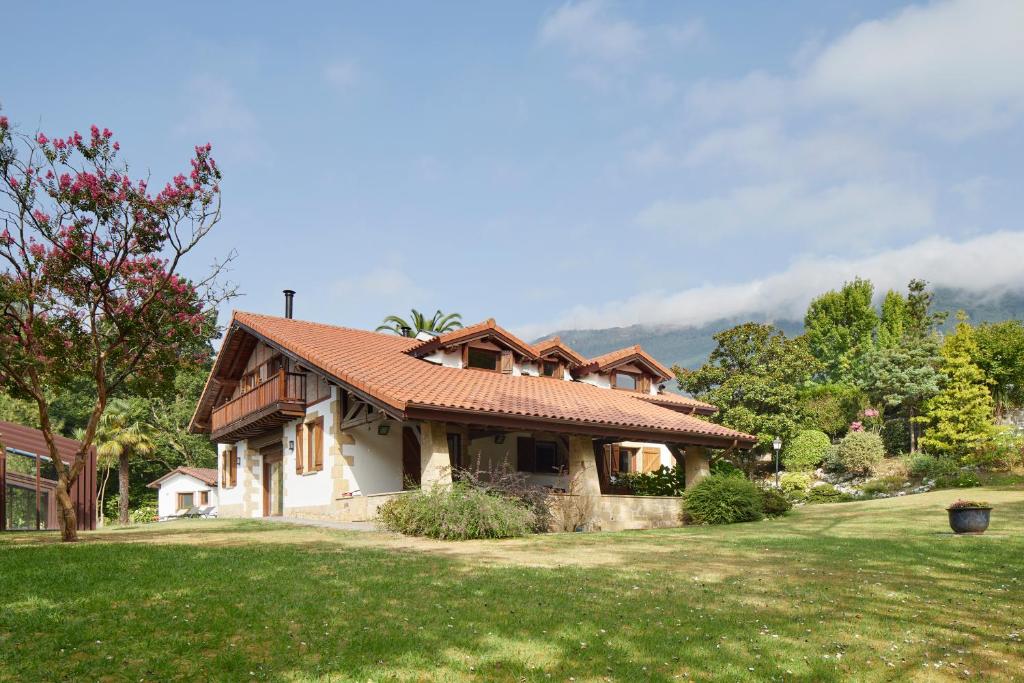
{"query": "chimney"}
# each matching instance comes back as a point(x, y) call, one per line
point(289, 296)
point(406, 331)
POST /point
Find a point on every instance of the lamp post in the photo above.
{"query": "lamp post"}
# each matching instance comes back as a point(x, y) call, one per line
point(777, 445)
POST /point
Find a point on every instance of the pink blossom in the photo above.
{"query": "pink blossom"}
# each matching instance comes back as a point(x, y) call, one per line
point(4, 123)
point(42, 139)
point(856, 426)
point(870, 412)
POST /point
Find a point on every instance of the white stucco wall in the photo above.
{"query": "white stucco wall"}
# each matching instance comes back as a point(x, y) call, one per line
point(376, 461)
point(233, 495)
point(167, 495)
point(667, 459)
point(312, 488)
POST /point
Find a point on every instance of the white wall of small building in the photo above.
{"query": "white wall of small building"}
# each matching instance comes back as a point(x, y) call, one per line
point(167, 495)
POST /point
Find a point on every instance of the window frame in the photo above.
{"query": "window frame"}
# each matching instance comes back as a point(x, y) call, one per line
point(559, 461)
point(478, 349)
point(555, 368)
point(204, 497)
point(637, 379)
point(181, 499)
point(229, 468)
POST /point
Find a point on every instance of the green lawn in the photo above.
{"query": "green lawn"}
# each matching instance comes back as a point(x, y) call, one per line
point(877, 590)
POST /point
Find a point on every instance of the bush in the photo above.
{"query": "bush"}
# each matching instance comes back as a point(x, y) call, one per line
point(791, 482)
point(860, 452)
point(1003, 452)
point(806, 450)
point(961, 478)
point(775, 503)
point(826, 493)
point(144, 514)
point(724, 467)
point(924, 466)
point(830, 407)
point(664, 481)
point(882, 485)
point(456, 513)
point(506, 481)
point(723, 499)
point(896, 436)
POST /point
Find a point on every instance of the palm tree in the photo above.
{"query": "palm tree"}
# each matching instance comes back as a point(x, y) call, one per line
point(438, 324)
point(119, 437)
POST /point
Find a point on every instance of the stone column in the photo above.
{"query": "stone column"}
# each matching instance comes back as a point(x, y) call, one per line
point(435, 461)
point(583, 466)
point(698, 465)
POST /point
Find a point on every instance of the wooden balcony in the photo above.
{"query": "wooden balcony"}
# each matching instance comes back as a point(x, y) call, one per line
point(271, 403)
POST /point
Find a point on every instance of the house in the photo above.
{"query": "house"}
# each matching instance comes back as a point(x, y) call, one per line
point(28, 479)
point(318, 421)
point(186, 489)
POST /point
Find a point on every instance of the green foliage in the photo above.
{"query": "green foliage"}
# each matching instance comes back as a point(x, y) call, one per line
point(664, 481)
point(753, 376)
point(792, 482)
point(1004, 452)
point(839, 327)
point(860, 452)
point(889, 484)
point(806, 450)
point(719, 499)
point(961, 478)
point(775, 502)
point(144, 514)
point(457, 513)
point(892, 326)
point(826, 493)
point(1000, 355)
point(726, 468)
point(830, 407)
point(920, 321)
point(925, 466)
point(896, 435)
point(959, 417)
point(439, 323)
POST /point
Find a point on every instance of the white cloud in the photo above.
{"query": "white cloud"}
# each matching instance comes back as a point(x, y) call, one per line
point(217, 113)
point(833, 214)
point(961, 60)
point(993, 262)
point(589, 29)
point(342, 74)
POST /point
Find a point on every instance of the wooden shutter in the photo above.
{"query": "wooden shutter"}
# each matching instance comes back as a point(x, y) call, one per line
point(300, 452)
point(317, 444)
point(506, 362)
point(644, 384)
point(652, 459)
point(231, 467)
point(526, 460)
point(616, 452)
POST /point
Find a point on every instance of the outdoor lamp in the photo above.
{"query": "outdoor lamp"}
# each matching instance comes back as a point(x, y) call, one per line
point(499, 438)
point(777, 445)
point(291, 446)
point(383, 430)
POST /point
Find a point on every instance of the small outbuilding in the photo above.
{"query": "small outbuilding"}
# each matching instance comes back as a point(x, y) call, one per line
point(186, 492)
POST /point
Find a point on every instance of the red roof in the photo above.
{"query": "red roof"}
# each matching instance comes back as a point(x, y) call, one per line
point(204, 474)
point(380, 367)
point(556, 345)
point(630, 354)
point(677, 401)
point(487, 329)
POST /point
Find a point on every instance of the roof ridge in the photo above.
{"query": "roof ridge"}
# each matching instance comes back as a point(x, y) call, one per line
point(329, 326)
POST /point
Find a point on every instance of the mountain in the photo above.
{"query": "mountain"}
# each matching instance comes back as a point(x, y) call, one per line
point(689, 346)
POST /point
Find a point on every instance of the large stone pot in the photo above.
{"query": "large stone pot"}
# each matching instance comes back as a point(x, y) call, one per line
point(969, 520)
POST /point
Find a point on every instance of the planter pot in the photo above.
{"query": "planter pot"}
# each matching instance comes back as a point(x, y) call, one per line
point(969, 520)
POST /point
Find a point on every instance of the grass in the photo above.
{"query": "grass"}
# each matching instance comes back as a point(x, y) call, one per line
point(874, 590)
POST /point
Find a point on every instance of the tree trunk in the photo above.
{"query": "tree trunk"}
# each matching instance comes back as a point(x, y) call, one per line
point(913, 433)
point(122, 489)
point(68, 517)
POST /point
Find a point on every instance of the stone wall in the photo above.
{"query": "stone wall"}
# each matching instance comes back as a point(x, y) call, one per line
point(615, 513)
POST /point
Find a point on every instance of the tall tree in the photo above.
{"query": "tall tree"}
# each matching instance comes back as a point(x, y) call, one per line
point(892, 326)
point(753, 375)
point(920, 320)
point(840, 328)
point(91, 289)
point(417, 322)
point(1001, 356)
point(959, 417)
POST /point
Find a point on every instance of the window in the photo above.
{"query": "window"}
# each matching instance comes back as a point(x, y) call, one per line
point(185, 501)
point(204, 497)
point(542, 457)
point(229, 468)
point(625, 380)
point(309, 446)
point(482, 359)
point(549, 368)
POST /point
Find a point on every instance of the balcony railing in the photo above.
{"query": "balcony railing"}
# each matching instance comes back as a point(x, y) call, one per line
point(278, 390)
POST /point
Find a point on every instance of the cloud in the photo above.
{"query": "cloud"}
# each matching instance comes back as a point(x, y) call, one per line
point(993, 262)
point(216, 112)
point(388, 286)
point(588, 29)
point(830, 214)
point(962, 60)
point(342, 74)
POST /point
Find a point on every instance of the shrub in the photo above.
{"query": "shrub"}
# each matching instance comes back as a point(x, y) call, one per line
point(508, 482)
point(882, 485)
point(1003, 452)
point(723, 499)
point(805, 450)
point(860, 452)
point(724, 467)
point(831, 462)
point(924, 466)
point(144, 514)
point(960, 478)
point(896, 436)
point(775, 503)
point(830, 407)
point(664, 481)
point(791, 482)
point(456, 513)
point(826, 493)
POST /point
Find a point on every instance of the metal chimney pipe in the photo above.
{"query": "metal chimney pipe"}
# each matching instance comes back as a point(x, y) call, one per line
point(289, 296)
point(406, 331)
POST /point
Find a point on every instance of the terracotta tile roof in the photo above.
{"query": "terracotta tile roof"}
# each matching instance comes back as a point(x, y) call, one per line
point(674, 400)
point(204, 474)
point(487, 328)
point(547, 346)
point(624, 356)
point(380, 367)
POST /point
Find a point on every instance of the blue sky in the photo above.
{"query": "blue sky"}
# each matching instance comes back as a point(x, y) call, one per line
point(561, 164)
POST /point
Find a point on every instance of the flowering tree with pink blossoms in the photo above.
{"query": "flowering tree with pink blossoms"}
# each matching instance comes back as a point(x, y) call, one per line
point(91, 286)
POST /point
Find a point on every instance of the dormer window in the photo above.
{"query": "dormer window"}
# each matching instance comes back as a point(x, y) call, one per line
point(626, 380)
point(483, 359)
point(549, 368)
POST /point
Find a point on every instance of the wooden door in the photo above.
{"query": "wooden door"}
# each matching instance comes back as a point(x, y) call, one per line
point(273, 481)
point(411, 468)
